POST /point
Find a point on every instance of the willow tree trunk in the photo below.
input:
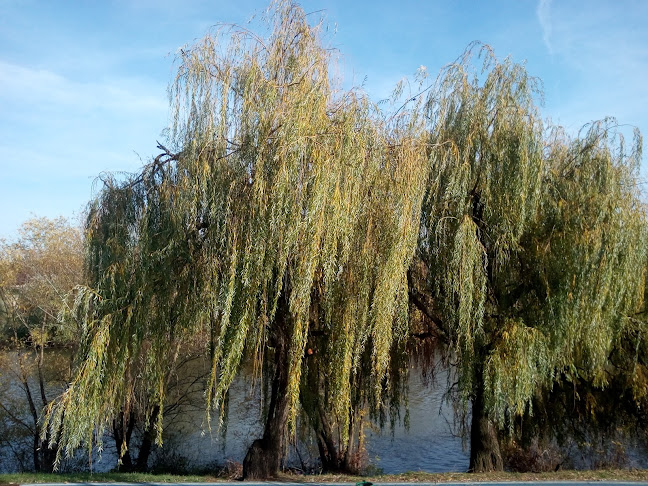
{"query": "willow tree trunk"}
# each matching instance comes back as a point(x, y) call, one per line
point(263, 459)
point(485, 454)
point(122, 432)
point(146, 446)
point(335, 456)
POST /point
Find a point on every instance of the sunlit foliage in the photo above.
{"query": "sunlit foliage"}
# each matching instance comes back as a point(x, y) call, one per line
point(533, 241)
point(486, 170)
point(286, 206)
point(38, 272)
point(283, 188)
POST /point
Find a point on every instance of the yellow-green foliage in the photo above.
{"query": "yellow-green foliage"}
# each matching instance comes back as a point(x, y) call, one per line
point(284, 188)
point(282, 185)
point(485, 181)
point(534, 242)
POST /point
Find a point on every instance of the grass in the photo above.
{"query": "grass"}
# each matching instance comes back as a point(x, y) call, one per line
point(410, 477)
point(423, 477)
point(24, 478)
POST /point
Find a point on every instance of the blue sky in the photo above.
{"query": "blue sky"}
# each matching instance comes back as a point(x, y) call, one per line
point(83, 83)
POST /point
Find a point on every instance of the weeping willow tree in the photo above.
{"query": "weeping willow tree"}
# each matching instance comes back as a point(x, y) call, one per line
point(588, 246)
point(282, 194)
point(279, 232)
point(135, 318)
point(587, 279)
point(528, 246)
point(360, 319)
point(484, 189)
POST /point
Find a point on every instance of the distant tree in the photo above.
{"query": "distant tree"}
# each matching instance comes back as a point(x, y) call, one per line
point(38, 273)
point(39, 270)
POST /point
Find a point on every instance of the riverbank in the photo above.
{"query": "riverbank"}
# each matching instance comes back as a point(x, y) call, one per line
point(607, 475)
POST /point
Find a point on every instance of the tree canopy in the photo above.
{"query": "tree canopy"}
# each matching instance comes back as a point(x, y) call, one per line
point(283, 191)
point(533, 242)
point(288, 207)
point(38, 271)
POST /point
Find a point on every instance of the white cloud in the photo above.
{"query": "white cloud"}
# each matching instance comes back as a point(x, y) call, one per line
point(544, 17)
point(602, 53)
point(60, 133)
point(31, 86)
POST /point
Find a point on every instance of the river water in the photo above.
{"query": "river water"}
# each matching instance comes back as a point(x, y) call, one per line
point(189, 442)
point(428, 444)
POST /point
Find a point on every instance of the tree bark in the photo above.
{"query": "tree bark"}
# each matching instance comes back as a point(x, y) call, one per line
point(485, 452)
point(48, 456)
point(335, 457)
point(146, 445)
point(263, 459)
point(36, 443)
point(122, 431)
